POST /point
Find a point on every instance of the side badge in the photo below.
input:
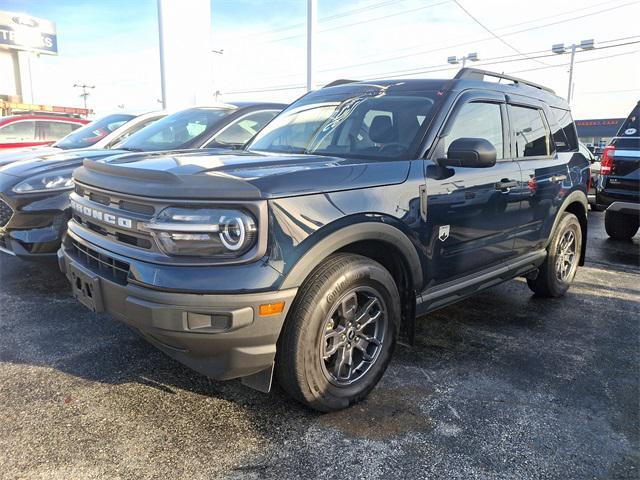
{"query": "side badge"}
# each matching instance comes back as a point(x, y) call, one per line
point(443, 233)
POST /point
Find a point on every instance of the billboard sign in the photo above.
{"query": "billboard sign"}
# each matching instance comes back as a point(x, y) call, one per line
point(23, 32)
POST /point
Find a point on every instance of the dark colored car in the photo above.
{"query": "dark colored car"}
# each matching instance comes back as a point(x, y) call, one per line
point(359, 208)
point(34, 194)
point(619, 188)
point(19, 131)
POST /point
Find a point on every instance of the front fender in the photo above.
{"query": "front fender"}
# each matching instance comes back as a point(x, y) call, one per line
point(368, 227)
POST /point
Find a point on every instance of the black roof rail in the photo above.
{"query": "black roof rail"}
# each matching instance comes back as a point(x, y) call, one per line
point(478, 74)
point(340, 81)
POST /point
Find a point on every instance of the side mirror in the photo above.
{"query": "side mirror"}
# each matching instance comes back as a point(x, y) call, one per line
point(470, 153)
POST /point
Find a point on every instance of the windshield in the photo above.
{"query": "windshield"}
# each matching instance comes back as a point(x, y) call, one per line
point(89, 134)
point(369, 124)
point(181, 130)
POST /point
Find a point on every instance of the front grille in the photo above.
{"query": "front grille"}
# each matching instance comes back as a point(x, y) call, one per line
point(108, 267)
point(120, 205)
point(6, 212)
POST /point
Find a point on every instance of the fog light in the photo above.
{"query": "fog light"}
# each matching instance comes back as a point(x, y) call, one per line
point(271, 309)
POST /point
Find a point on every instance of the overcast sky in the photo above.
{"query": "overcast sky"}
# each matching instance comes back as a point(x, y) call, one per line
point(113, 44)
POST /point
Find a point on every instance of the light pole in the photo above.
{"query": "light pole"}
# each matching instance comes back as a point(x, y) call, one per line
point(84, 93)
point(473, 57)
point(559, 48)
point(311, 27)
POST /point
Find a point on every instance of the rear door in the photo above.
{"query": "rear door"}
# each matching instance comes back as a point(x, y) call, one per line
point(545, 171)
point(471, 212)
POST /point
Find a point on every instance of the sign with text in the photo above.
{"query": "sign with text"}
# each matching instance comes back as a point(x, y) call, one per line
point(23, 32)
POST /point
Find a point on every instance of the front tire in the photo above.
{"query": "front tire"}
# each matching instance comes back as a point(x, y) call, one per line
point(340, 333)
point(563, 256)
point(620, 226)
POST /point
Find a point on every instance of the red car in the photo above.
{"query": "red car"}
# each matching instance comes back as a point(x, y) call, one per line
point(18, 131)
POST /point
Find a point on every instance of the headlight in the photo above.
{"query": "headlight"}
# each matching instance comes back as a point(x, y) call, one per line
point(205, 232)
point(45, 183)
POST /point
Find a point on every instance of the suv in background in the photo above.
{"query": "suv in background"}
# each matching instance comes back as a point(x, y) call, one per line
point(20, 131)
point(619, 187)
point(359, 208)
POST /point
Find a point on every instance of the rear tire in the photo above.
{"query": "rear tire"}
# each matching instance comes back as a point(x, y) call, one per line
point(563, 256)
point(620, 226)
point(340, 333)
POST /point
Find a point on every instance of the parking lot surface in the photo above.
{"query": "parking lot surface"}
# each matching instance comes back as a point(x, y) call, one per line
point(502, 385)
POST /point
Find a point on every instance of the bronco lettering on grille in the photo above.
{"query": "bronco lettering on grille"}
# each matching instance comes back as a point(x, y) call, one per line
point(101, 216)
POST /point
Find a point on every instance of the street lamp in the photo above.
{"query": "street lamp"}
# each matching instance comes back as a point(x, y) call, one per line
point(473, 57)
point(559, 49)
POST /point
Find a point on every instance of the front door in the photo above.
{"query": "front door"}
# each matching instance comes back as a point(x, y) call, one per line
point(471, 213)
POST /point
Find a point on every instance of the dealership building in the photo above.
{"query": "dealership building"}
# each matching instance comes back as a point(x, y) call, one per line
point(598, 132)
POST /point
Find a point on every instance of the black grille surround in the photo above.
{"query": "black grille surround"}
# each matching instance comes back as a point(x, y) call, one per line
point(125, 230)
point(6, 212)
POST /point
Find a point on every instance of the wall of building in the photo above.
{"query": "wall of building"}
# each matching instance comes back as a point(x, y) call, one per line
point(10, 78)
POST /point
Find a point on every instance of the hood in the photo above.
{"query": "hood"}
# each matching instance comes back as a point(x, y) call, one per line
point(54, 161)
point(16, 154)
point(228, 174)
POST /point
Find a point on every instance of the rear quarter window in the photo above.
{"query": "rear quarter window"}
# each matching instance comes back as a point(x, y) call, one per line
point(564, 131)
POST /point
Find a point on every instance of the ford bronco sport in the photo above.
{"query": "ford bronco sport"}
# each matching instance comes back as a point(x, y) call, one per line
point(363, 205)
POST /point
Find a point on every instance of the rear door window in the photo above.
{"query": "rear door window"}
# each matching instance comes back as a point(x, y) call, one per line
point(49, 131)
point(530, 131)
point(564, 135)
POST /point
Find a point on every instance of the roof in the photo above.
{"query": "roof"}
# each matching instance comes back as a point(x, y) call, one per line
point(464, 79)
point(33, 116)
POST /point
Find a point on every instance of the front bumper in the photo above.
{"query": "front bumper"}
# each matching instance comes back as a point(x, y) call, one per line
point(222, 336)
point(36, 225)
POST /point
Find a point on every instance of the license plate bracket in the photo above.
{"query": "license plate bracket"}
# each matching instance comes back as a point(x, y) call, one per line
point(86, 288)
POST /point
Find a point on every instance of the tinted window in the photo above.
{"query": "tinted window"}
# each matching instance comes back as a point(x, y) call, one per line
point(564, 135)
point(530, 132)
point(51, 131)
point(375, 124)
point(139, 126)
point(18, 132)
point(629, 133)
point(94, 131)
point(244, 129)
point(478, 120)
point(176, 131)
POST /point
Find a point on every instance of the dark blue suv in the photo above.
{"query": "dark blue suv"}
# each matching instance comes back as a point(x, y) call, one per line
point(360, 207)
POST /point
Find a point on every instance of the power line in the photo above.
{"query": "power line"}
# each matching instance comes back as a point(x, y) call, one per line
point(444, 67)
point(403, 12)
point(470, 42)
point(555, 15)
point(493, 34)
point(329, 18)
point(580, 61)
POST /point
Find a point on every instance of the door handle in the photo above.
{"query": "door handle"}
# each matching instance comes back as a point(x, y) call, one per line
point(505, 184)
point(558, 178)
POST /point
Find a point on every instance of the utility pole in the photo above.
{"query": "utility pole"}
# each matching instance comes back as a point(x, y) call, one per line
point(311, 27)
point(84, 93)
point(559, 49)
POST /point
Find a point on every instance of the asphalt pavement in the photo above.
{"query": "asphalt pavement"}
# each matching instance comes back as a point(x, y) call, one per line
point(500, 386)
